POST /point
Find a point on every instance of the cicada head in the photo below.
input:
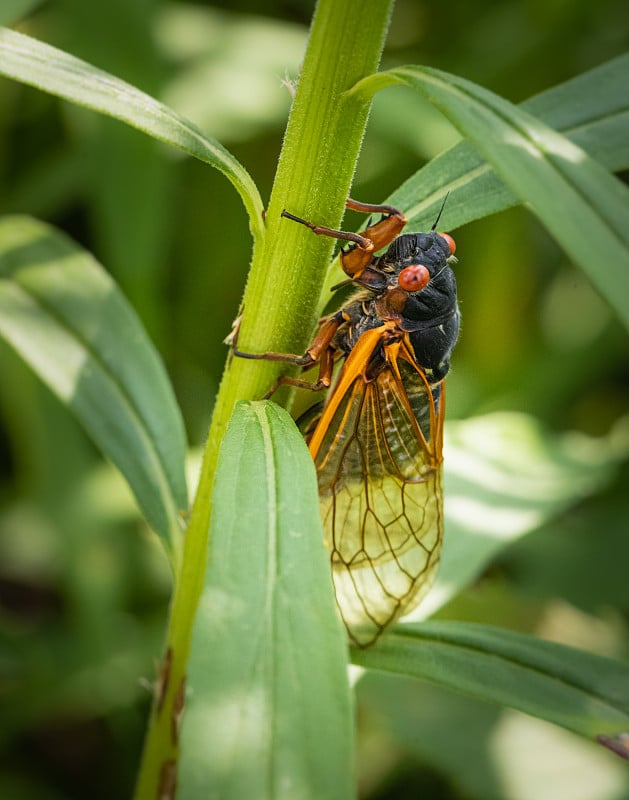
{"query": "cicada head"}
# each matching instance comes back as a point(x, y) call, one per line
point(432, 250)
point(422, 295)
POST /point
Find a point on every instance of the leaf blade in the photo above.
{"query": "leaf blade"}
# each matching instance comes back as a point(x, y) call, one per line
point(580, 691)
point(269, 715)
point(67, 319)
point(37, 64)
point(592, 109)
point(582, 205)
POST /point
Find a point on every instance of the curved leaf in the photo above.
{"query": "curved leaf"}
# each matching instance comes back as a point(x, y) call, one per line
point(591, 109)
point(67, 319)
point(582, 692)
point(268, 713)
point(47, 68)
point(579, 202)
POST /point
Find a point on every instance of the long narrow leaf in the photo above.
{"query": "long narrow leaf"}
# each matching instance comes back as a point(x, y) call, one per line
point(29, 61)
point(581, 204)
point(268, 711)
point(591, 109)
point(580, 691)
point(67, 319)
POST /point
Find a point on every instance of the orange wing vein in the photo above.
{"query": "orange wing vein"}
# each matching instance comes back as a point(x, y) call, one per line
point(377, 450)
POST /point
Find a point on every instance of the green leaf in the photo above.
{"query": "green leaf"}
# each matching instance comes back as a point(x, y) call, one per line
point(505, 476)
point(579, 202)
point(67, 319)
point(591, 109)
point(582, 692)
point(268, 713)
point(47, 68)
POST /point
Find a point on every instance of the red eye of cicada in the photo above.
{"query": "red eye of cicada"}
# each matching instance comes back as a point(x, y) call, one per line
point(450, 242)
point(413, 278)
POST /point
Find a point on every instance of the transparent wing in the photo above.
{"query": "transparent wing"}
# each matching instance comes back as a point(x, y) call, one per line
point(378, 462)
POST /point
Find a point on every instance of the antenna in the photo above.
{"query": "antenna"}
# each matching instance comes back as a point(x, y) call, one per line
point(443, 205)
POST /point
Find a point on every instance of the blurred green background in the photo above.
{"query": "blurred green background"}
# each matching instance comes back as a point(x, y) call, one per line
point(83, 587)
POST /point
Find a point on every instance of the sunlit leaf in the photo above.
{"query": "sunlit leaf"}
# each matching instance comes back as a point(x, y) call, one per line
point(579, 202)
point(47, 68)
point(67, 319)
point(585, 693)
point(268, 711)
point(591, 109)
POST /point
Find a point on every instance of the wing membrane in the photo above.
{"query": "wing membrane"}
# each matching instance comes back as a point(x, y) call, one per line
point(377, 450)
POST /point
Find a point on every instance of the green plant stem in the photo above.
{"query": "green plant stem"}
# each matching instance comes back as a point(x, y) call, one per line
point(316, 166)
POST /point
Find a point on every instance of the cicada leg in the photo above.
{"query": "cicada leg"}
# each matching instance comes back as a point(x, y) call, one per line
point(321, 352)
point(382, 233)
point(355, 259)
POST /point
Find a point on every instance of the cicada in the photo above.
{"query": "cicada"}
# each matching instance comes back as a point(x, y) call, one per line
point(377, 441)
